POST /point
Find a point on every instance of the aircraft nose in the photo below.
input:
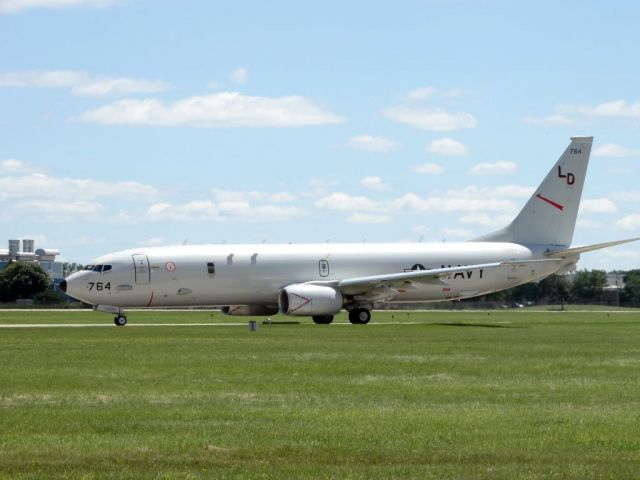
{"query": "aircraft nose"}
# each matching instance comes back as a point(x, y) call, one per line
point(63, 286)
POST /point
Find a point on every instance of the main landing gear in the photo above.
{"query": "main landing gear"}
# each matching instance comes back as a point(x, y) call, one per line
point(120, 320)
point(359, 316)
point(322, 319)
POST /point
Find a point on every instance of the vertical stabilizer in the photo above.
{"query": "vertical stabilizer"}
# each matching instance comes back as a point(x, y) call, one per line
point(549, 217)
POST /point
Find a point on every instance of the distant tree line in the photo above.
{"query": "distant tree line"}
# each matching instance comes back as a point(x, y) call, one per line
point(24, 280)
point(583, 287)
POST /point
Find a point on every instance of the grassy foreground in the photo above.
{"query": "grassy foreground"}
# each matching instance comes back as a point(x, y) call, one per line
point(450, 395)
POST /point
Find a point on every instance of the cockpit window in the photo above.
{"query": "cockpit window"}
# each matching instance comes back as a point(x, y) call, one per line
point(98, 268)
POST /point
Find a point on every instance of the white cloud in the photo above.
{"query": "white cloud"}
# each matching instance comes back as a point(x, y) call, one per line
point(81, 83)
point(345, 202)
point(598, 205)
point(630, 222)
point(62, 190)
point(615, 108)
point(99, 87)
point(447, 146)
point(50, 78)
point(368, 218)
point(501, 191)
point(425, 93)
point(373, 183)
point(431, 119)
point(555, 120)
point(60, 211)
point(627, 196)
point(199, 210)
point(192, 211)
point(12, 165)
point(470, 201)
point(153, 242)
point(516, 191)
point(13, 6)
point(497, 168)
point(225, 109)
point(370, 143)
point(223, 195)
point(239, 76)
point(570, 114)
point(457, 232)
point(485, 220)
point(587, 223)
point(613, 150)
point(428, 169)
point(420, 93)
point(414, 203)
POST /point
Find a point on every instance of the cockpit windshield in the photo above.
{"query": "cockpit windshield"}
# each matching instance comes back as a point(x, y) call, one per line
point(98, 268)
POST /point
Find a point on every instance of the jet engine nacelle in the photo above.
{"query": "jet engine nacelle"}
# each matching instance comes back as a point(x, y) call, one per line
point(303, 300)
point(249, 310)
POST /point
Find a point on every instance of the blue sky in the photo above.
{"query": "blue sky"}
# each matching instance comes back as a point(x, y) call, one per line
point(139, 122)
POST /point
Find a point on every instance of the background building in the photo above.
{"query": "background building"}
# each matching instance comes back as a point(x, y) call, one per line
point(45, 257)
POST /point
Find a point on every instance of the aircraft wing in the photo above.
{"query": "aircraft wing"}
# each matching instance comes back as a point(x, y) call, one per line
point(384, 287)
point(567, 252)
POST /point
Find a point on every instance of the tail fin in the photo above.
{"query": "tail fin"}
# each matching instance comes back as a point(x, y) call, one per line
point(549, 217)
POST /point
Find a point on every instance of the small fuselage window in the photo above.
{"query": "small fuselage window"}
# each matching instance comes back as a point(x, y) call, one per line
point(211, 268)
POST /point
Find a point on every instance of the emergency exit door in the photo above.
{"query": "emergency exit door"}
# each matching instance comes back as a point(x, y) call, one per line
point(143, 272)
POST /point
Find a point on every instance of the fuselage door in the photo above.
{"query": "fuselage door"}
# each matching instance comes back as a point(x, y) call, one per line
point(143, 272)
point(323, 268)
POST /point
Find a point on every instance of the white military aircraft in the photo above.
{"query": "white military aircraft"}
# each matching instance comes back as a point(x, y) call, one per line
point(319, 280)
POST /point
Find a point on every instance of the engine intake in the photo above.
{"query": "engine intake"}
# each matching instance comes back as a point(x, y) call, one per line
point(303, 300)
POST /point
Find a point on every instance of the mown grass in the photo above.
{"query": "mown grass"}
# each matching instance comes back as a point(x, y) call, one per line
point(453, 395)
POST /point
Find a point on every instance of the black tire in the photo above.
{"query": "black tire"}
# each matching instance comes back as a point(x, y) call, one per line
point(322, 319)
point(120, 320)
point(359, 316)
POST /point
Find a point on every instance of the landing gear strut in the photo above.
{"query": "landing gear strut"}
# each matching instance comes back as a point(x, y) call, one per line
point(322, 319)
point(120, 320)
point(359, 316)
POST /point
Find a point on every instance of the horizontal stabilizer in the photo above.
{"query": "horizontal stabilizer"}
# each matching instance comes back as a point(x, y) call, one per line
point(568, 252)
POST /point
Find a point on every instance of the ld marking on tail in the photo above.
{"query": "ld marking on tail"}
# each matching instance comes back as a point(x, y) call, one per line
point(570, 177)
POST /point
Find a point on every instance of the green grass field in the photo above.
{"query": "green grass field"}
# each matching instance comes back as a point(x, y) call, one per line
point(513, 394)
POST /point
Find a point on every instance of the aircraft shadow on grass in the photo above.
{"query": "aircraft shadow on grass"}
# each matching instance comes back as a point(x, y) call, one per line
point(479, 325)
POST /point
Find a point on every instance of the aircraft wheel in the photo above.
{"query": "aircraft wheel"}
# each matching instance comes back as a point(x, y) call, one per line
point(120, 320)
point(359, 316)
point(322, 319)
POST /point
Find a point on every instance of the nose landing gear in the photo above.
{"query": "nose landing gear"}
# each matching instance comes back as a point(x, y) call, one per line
point(120, 320)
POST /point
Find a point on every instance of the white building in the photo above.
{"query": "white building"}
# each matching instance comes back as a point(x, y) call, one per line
point(45, 257)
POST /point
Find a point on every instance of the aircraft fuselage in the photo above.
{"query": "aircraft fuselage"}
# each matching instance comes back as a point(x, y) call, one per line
point(255, 274)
